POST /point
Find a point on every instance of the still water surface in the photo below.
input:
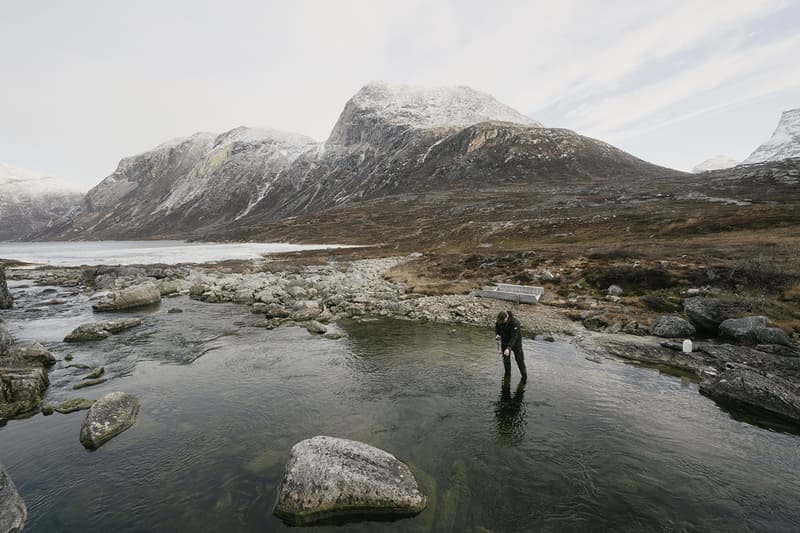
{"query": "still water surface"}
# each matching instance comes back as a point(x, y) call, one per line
point(582, 447)
point(66, 254)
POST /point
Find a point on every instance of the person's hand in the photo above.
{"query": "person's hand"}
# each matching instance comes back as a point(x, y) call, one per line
point(507, 352)
point(497, 337)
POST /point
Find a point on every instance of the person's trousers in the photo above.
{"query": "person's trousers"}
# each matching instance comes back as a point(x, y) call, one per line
point(520, 359)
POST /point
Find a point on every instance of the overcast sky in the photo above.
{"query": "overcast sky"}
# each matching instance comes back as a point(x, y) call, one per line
point(84, 83)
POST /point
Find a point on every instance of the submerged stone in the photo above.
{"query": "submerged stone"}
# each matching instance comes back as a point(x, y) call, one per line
point(329, 477)
point(107, 417)
point(12, 507)
point(101, 330)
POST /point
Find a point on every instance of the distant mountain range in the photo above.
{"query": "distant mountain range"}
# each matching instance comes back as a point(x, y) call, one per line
point(30, 202)
point(389, 139)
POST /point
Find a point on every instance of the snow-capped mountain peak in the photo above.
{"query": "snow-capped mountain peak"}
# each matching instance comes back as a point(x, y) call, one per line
point(784, 143)
point(717, 162)
point(421, 108)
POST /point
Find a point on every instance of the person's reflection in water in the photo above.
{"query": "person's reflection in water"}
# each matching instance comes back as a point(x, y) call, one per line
point(509, 413)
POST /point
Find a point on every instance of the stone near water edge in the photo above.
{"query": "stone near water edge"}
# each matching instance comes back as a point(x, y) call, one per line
point(6, 339)
point(96, 373)
point(317, 328)
point(28, 353)
point(330, 477)
point(671, 327)
point(6, 301)
point(743, 329)
point(746, 387)
point(596, 323)
point(137, 296)
point(13, 511)
point(107, 417)
point(101, 330)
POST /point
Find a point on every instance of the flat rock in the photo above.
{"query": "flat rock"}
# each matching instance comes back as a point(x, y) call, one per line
point(101, 330)
point(12, 507)
point(137, 296)
point(107, 417)
point(330, 477)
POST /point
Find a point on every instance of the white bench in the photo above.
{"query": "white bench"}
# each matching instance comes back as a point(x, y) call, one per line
point(521, 294)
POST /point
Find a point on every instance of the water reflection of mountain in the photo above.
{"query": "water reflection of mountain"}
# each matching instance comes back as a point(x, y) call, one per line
point(509, 413)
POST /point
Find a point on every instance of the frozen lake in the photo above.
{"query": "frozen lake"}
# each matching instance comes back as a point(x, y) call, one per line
point(142, 252)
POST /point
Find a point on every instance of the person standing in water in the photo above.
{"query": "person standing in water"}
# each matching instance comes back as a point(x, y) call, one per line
point(507, 331)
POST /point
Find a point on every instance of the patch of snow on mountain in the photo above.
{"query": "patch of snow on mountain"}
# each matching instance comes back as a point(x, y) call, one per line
point(717, 162)
point(431, 107)
point(784, 143)
point(19, 183)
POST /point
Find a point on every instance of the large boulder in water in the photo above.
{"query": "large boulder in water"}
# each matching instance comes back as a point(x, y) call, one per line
point(672, 327)
point(12, 508)
point(745, 387)
point(21, 390)
point(101, 330)
point(6, 301)
point(107, 417)
point(137, 296)
point(330, 477)
point(743, 329)
point(705, 313)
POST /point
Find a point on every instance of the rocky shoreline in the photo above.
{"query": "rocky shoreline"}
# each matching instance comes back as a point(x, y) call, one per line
point(749, 365)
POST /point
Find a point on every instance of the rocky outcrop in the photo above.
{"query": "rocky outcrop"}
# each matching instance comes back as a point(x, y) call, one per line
point(743, 329)
point(13, 511)
point(21, 390)
point(330, 477)
point(107, 417)
point(746, 387)
point(705, 313)
point(6, 301)
point(672, 326)
point(101, 330)
point(137, 296)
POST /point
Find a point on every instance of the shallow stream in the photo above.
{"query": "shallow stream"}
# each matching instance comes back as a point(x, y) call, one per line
point(582, 447)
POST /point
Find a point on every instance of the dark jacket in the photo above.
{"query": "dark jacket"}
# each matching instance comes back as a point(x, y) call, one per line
point(510, 334)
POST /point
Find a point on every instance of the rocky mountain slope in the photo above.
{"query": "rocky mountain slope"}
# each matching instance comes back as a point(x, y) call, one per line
point(784, 143)
point(185, 183)
point(389, 139)
point(717, 162)
point(30, 202)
